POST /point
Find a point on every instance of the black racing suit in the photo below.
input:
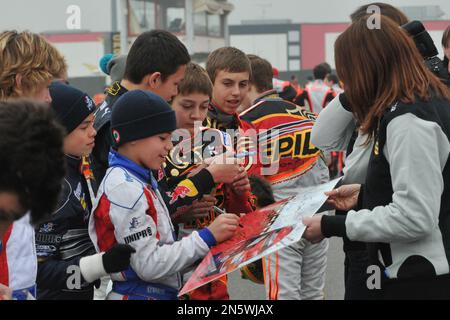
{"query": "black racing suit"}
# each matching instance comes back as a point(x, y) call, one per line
point(64, 239)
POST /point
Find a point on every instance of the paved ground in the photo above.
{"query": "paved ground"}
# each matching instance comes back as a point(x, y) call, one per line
point(246, 290)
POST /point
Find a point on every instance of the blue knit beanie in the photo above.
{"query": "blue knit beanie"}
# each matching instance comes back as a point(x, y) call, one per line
point(140, 114)
point(70, 105)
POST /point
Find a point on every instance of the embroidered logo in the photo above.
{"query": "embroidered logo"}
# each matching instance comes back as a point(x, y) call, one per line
point(394, 107)
point(179, 192)
point(47, 227)
point(89, 103)
point(116, 136)
point(134, 223)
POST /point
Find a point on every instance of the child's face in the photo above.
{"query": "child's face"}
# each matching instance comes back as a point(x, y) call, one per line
point(189, 109)
point(10, 208)
point(151, 152)
point(230, 90)
point(328, 82)
point(169, 88)
point(80, 141)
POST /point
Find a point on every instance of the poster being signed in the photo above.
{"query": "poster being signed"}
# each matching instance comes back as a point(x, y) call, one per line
point(264, 232)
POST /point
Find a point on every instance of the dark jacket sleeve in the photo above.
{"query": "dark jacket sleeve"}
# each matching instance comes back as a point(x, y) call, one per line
point(300, 100)
point(200, 184)
point(54, 274)
point(100, 153)
point(333, 226)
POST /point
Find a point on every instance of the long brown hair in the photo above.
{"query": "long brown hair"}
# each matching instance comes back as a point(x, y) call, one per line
point(380, 67)
point(386, 10)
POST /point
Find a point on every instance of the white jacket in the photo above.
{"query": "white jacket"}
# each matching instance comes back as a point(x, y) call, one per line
point(129, 210)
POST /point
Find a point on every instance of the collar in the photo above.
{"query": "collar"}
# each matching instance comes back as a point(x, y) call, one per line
point(145, 175)
point(224, 120)
point(73, 162)
point(116, 89)
point(270, 94)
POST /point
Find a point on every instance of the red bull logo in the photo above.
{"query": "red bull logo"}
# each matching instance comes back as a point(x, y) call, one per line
point(179, 192)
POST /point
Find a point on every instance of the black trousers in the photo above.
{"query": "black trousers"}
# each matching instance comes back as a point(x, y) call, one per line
point(355, 275)
point(437, 288)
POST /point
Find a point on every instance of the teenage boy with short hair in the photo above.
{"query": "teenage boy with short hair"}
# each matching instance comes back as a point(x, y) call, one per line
point(156, 62)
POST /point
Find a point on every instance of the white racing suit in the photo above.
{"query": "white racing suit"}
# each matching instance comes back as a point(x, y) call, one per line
point(298, 271)
point(129, 209)
point(18, 261)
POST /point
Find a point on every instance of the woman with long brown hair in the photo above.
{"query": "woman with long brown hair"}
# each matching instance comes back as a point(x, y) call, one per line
point(403, 209)
point(337, 130)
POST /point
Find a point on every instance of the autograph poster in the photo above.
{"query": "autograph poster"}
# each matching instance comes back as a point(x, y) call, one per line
point(264, 232)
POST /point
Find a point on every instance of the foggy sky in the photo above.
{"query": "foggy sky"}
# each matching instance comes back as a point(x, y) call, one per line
point(303, 11)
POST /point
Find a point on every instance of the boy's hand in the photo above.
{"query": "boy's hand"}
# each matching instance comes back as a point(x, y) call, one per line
point(5, 292)
point(224, 227)
point(200, 209)
point(241, 183)
point(224, 173)
point(313, 232)
point(223, 158)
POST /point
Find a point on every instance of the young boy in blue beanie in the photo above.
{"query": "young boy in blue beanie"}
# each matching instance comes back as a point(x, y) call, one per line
point(129, 208)
point(67, 262)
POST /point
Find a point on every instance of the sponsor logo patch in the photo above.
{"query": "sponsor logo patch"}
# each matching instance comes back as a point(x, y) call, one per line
point(138, 235)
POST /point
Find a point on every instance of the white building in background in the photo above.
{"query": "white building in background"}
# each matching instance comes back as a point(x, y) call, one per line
point(84, 30)
point(296, 35)
point(201, 24)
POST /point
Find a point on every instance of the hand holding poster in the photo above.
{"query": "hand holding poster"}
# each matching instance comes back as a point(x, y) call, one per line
point(265, 231)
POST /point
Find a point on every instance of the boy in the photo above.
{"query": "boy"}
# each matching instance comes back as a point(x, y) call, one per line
point(24, 189)
point(315, 93)
point(28, 63)
point(159, 74)
point(62, 242)
point(300, 267)
point(191, 107)
point(229, 70)
point(130, 209)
